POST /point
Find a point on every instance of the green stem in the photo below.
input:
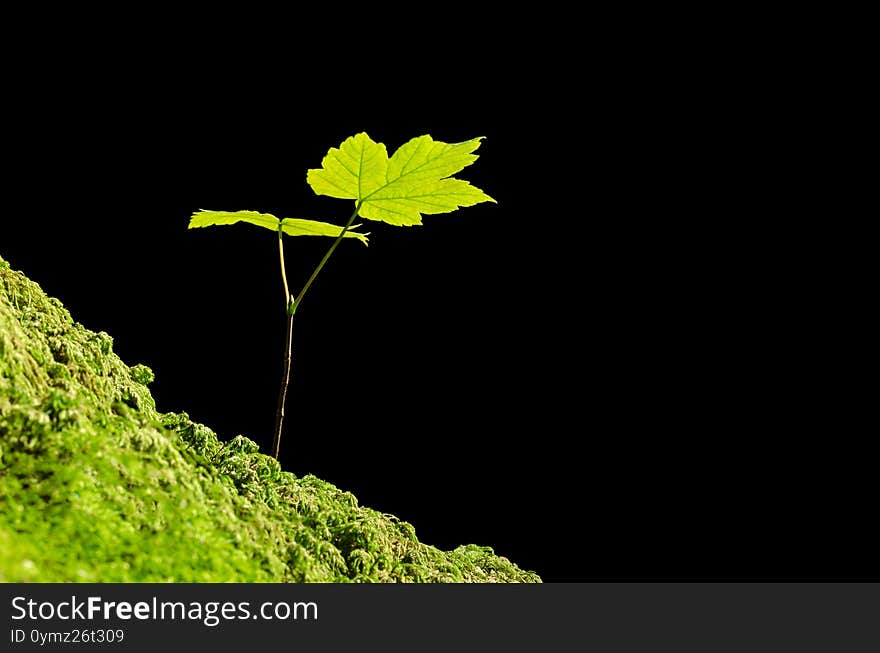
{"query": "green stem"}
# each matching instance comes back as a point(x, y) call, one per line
point(283, 271)
point(326, 258)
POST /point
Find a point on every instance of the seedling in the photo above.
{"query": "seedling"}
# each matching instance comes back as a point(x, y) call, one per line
point(416, 180)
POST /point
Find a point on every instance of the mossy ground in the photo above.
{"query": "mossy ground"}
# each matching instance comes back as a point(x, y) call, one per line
point(97, 486)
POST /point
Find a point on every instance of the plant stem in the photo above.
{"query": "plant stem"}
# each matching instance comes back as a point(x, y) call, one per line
point(291, 306)
point(285, 381)
point(288, 351)
point(283, 271)
point(326, 256)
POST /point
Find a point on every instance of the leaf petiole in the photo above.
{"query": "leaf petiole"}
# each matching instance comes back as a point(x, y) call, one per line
point(287, 297)
point(327, 256)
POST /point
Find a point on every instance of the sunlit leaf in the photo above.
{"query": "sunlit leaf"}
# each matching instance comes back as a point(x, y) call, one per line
point(416, 180)
point(290, 226)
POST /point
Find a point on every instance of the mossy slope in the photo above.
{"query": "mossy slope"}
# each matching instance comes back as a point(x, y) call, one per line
point(96, 485)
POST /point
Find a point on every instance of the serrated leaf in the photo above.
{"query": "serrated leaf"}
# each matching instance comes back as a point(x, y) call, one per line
point(299, 227)
point(290, 226)
point(415, 181)
point(205, 218)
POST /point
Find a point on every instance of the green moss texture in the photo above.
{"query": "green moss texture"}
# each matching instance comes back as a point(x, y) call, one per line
point(97, 486)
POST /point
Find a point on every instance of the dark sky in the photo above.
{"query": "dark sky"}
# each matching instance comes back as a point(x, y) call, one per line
point(593, 376)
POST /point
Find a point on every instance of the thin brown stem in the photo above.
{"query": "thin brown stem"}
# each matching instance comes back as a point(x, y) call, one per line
point(285, 381)
point(288, 351)
point(291, 305)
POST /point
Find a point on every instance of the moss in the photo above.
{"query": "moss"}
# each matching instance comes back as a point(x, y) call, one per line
point(97, 486)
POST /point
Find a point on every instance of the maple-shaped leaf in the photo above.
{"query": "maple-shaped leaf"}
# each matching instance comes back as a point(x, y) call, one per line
point(416, 180)
point(290, 226)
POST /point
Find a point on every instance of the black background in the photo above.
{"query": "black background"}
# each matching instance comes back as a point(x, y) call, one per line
point(608, 374)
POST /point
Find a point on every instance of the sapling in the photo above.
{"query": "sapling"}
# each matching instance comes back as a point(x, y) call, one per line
point(416, 180)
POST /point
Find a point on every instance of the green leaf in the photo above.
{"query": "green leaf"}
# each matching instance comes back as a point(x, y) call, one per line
point(298, 227)
point(290, 226)
point(204, 218)
point(416, 180)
